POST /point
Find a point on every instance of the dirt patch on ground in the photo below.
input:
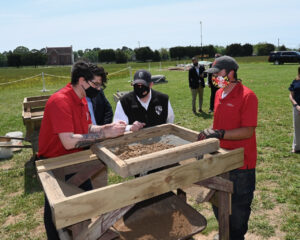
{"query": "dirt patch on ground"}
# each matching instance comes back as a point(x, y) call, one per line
point(13, 219)
point(200, 236)
point(273, 216)
point(131, 151)
point(18, 193)
point(5, 166)
point(39, 230)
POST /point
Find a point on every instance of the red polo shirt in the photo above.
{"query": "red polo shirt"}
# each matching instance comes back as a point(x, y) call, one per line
point(64, 112)
point(238, 109)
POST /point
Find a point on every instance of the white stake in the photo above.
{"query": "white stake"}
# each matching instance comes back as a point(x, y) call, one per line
point(44, 85)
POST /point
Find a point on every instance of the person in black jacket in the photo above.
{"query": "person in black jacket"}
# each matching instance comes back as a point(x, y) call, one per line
point(196, 83)
point(143, 107)
point(99, 107)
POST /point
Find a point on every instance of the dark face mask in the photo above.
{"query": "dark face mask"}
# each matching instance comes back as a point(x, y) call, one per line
point(91, 92)
point(140, 89)
point(195, 64)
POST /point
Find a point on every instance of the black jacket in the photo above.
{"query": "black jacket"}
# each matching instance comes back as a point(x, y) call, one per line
point(196, 80)
point(157, 112)
point(102, 109)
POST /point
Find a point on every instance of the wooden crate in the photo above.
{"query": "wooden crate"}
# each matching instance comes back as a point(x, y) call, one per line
point(33, 111)
point(187, 147)
point(68, 209)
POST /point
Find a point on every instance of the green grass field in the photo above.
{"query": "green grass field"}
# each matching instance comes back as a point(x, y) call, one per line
point(275, 212)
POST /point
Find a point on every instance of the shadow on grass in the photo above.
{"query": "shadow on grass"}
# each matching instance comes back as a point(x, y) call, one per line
point(31, 181)
point(204, 115)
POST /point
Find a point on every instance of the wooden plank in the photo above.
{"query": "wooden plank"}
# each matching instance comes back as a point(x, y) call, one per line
point(63, 235)
point(37, 115)
point(26, 114)
point(185, 133)
point(100, 179)
point(106, 199)
point(102, 224)
point(217, 183)
point(170, 156)
point(51, 187)
point(76, 167)
point(66, 160)
point(68, 189)
point(84, 174)
point(110, 159)
point(110, 234)
point(209, 195)
point(223, 215)
point(133, 166)
point(130, 137)
point(214, 198)
point(36, 103)
point(29, 99)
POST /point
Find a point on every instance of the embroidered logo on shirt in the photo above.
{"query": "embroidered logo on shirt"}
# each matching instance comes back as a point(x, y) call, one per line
point(158, 110)
point(230, 105)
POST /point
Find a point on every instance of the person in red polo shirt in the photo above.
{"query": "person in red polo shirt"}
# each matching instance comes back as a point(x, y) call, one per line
point(66, 126)
point(235, 120)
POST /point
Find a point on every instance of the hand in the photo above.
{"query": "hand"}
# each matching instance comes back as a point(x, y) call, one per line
point(211, 133)
point(137, 126)
point(115, 129)
point(298, 108)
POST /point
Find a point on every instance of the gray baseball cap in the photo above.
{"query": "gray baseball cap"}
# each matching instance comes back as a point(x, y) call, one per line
point(224, 62)
point(143, 77)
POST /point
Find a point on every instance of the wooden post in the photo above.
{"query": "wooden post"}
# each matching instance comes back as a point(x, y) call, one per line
point(223, 215)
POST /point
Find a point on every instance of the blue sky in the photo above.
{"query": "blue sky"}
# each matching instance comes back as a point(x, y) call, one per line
point(155, 23)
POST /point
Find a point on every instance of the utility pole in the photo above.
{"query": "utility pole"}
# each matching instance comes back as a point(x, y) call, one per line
point(139, 44)
point(278, 44)
point(201, 40)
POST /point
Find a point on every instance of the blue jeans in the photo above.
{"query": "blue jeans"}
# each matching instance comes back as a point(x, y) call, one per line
point(243, 187)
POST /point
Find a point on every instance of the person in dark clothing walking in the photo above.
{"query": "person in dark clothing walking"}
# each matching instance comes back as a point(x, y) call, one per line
point(196, 83)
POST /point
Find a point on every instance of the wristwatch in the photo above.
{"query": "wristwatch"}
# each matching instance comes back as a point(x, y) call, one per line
point(295, 105)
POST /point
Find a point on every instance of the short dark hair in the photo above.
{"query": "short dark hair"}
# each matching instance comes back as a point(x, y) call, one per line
point(80, 69)
point(99, 71)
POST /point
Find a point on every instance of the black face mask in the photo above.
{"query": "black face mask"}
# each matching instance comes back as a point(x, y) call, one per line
point(140, 89)
point(195, 64)
point(91, 92)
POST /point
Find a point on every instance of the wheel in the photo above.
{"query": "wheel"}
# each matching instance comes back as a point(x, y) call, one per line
point(276, 62)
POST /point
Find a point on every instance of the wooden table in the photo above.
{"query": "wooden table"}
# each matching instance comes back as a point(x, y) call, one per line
point(105, 205)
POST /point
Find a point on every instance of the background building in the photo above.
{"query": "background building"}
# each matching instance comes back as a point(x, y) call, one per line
point(60, 55)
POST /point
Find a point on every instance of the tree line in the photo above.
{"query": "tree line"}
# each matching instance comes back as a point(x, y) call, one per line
point(22, 56)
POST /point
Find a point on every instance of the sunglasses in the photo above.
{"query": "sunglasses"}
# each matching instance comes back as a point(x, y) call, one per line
point(96, 84)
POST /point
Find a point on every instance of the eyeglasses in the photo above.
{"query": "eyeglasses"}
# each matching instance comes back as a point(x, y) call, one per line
point(96, 84)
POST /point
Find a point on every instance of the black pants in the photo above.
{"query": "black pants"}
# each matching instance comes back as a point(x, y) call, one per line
point(51, 231)
point(213, 91)
point(244, 186)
